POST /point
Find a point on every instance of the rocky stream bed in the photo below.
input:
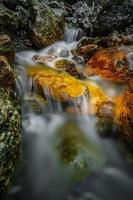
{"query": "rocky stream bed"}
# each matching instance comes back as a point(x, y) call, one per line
point(66, 100)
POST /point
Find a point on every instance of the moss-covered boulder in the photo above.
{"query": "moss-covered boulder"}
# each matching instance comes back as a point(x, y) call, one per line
point(9, 138)
point(6, 48)
point(47, 27)
point(7, 76)
point(58, 85)
point(9, 126)
point(9, 20)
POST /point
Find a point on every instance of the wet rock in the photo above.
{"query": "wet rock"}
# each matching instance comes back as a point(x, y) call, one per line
point(106, 125)
point(115, 15)
point(43, 59)
point(89, 45)
point(77, 153)
point(47, 28)
point(57, 85)
point(112, 64)
point(6, 48)
point(9, 138)
point(68, 66)
point(124, 114)
point(59, 50)
point(9, 20)
point(97, 97)
point(7, 75)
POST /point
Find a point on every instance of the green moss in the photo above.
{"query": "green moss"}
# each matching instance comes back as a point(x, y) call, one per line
point(10, 138)
point(77, 154)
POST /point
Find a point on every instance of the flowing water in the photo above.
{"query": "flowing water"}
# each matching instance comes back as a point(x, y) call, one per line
point(43, 175)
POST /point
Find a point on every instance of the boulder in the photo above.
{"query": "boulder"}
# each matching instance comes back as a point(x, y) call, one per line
point(9, 20)
point(56, 84)
point(115, 15)
point(7, 76)
point(10, 138)
point(10, 122)
point(112, 64)
point(47, 27)
point(76, 151)
point(124, 114)
point(6, 48)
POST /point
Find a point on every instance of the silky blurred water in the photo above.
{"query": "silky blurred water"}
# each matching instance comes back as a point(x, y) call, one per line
point(41, 175)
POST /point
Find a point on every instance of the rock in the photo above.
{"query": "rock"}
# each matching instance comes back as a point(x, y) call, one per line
point(115, 15)
point(6, 48)
point(97, 97)
point(68, 66)
point(85, 12)
point(124, 113)
point(10, 138)
point(9, 20)
point(59, 50)
point(76, 152)
point(24, 16)
point(112, 64)
point(24, 3)
point(90, 45)
point(58, 85)
point(7, 76)
point(43, 59)
point(47, 28)
point(21, 40)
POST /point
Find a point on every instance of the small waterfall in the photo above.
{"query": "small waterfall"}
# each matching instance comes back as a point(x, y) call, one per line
point(45, 176)
point(73, 34)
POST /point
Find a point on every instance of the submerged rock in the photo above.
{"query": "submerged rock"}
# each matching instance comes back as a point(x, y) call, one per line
point(58, 85)
point(47, 28)
point(6, 48)
point(112, 64)
point(76, 152)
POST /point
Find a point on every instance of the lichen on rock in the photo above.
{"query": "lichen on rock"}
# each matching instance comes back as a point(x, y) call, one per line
point(47, 28)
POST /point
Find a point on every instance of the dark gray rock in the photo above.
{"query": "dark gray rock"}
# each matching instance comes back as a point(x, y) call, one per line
point(115, 15)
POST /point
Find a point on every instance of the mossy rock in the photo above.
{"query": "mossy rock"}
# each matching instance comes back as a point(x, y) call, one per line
point(7, 76)
point(47, 28)
point(76, 152)
point(10, 138)
point(9, 20)
point(6, 48)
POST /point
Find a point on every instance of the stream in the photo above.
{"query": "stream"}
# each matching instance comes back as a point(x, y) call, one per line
point(99, 170)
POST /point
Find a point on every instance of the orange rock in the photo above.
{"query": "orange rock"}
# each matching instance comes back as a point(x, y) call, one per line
point(59, 85)
point(112, 64)
point(124, 113)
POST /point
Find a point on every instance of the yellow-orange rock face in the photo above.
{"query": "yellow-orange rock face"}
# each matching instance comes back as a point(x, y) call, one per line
point(124, 113)
point(110, 63)
point(58, 85)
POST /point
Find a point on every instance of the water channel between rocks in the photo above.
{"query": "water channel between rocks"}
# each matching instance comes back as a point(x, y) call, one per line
point(61, 146)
